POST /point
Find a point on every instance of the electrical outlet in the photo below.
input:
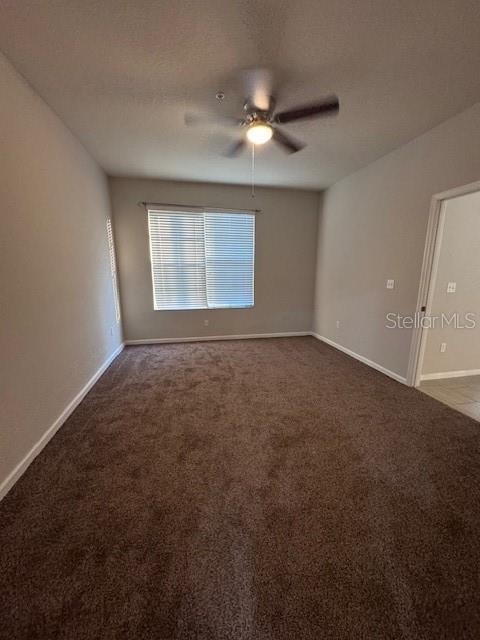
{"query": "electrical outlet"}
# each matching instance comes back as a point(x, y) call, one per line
point(443, 347)
point(451, 287)
point(390, 284)
point(205, 322)
point(338, 324)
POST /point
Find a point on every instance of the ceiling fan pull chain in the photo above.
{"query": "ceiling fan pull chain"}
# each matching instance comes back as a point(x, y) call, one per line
point(253, 170)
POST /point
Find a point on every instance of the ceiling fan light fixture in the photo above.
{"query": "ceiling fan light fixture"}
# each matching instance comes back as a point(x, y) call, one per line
point(259, 133)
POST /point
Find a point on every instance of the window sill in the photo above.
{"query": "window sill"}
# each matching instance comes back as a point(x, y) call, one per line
point(248, 306)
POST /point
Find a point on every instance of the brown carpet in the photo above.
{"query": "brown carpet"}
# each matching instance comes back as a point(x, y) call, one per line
point(263, 489)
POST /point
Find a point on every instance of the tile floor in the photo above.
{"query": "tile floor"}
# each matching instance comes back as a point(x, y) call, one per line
point(462, 394)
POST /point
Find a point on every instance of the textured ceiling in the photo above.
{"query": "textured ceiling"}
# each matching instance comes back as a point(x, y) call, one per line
point(122, 73)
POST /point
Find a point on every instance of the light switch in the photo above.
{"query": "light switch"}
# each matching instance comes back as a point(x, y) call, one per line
point(443, 347)
point(451, 287)
point(390, 284)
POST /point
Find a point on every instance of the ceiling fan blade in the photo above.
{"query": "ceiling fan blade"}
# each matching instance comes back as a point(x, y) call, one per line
point(258, 88)
point(235, 149)
point(201, 119)
point(329, 106)
point(289, 144)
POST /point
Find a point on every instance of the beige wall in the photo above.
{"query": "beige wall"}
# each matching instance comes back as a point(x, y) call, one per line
point(459, 261)
point(56, 298)
point(284, 260)
point(372, 227)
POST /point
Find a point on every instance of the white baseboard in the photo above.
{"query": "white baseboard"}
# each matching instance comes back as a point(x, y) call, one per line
point(247, 336)
point(450, 374)
point(357, 356)
point(22, 466)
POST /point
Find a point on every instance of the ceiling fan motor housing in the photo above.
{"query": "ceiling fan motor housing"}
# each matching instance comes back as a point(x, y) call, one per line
point(255, 114)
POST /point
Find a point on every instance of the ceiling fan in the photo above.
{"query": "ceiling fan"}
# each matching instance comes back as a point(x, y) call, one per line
point(260, 120)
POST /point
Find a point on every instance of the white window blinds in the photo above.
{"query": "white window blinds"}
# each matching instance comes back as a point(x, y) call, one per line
point(113, 269)
point(202, 260)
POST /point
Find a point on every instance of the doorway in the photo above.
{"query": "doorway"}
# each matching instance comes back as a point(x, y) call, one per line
point(445, 355)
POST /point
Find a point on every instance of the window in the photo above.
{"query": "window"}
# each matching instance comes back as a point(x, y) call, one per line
point(201, 260)
point(113, 269)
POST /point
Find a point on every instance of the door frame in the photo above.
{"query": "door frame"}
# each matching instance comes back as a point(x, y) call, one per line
point(428, 276)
